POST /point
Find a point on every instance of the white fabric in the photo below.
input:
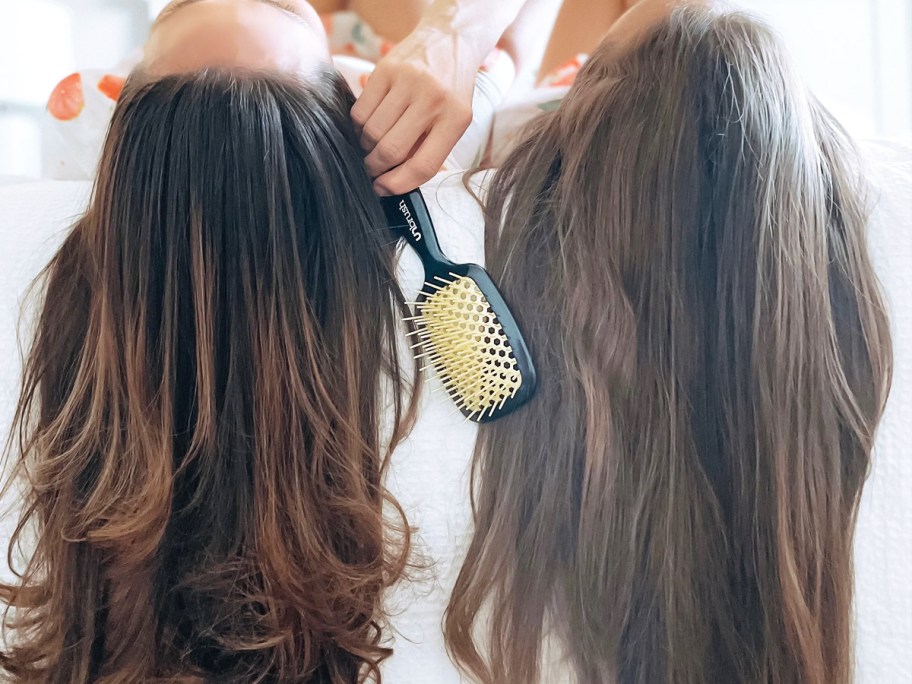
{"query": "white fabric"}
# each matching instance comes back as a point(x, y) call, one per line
point(883, 539)
point(34, 216)
point(429, 471)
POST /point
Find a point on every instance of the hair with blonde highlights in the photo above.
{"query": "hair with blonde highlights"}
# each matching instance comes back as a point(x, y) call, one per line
point(199, 431)
point(684, 241)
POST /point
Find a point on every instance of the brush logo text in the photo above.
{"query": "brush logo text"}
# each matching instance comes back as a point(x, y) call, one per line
point(413, 227)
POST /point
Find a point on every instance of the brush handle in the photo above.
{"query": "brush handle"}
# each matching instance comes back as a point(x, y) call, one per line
point(409, 215)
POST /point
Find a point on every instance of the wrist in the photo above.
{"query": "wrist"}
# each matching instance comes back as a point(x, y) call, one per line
point(475, 26)
point(464, 51)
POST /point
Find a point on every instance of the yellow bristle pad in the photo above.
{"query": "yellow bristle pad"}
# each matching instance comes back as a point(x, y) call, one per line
point(464, 341)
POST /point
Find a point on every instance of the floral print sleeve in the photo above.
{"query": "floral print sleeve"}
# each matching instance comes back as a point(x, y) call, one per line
point(78, 112)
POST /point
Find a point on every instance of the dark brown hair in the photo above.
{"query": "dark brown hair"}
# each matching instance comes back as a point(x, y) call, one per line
point(684, 243)
point(199, 426)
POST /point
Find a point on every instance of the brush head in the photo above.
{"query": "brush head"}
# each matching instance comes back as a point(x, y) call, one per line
point(468, 335)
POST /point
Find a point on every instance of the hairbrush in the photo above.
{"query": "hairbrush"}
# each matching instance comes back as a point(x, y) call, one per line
point(464, 328)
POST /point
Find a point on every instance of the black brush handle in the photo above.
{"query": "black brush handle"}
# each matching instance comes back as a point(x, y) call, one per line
point(409, 215)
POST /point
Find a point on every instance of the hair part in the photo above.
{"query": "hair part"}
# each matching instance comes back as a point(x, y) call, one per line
point(684, 241)
point(199, 430)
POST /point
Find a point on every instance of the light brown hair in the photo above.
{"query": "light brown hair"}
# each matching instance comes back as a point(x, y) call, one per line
point(683, 241)
point(198, 435)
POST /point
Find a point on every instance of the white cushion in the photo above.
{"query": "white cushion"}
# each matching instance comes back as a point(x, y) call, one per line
point(429, 471)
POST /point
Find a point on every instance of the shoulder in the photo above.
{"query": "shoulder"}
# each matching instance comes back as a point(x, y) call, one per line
point(455, 204)
point(458, 218)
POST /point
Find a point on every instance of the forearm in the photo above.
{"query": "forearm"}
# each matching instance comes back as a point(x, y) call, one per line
point(479, 24)
point(527, 38)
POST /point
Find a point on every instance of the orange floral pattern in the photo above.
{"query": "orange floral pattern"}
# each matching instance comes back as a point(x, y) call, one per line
point(111, 86)
point(67, 101)
point(565, 75)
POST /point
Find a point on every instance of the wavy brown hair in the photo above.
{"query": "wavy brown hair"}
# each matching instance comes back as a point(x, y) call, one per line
point(685, 243)
point(199, 431)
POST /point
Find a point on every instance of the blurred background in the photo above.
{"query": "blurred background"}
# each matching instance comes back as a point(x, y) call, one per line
point(856, 55)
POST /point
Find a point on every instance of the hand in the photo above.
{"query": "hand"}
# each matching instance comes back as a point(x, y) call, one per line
point(415, 107)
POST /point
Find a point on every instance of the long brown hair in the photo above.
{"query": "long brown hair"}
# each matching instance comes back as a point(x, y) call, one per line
point(199, 431)
point(684, 243)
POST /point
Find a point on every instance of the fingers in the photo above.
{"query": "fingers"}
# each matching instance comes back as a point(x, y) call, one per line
point(376, 89)
point(399, 142)
point(383, 119)
point(409, 118)
point(426, 162)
